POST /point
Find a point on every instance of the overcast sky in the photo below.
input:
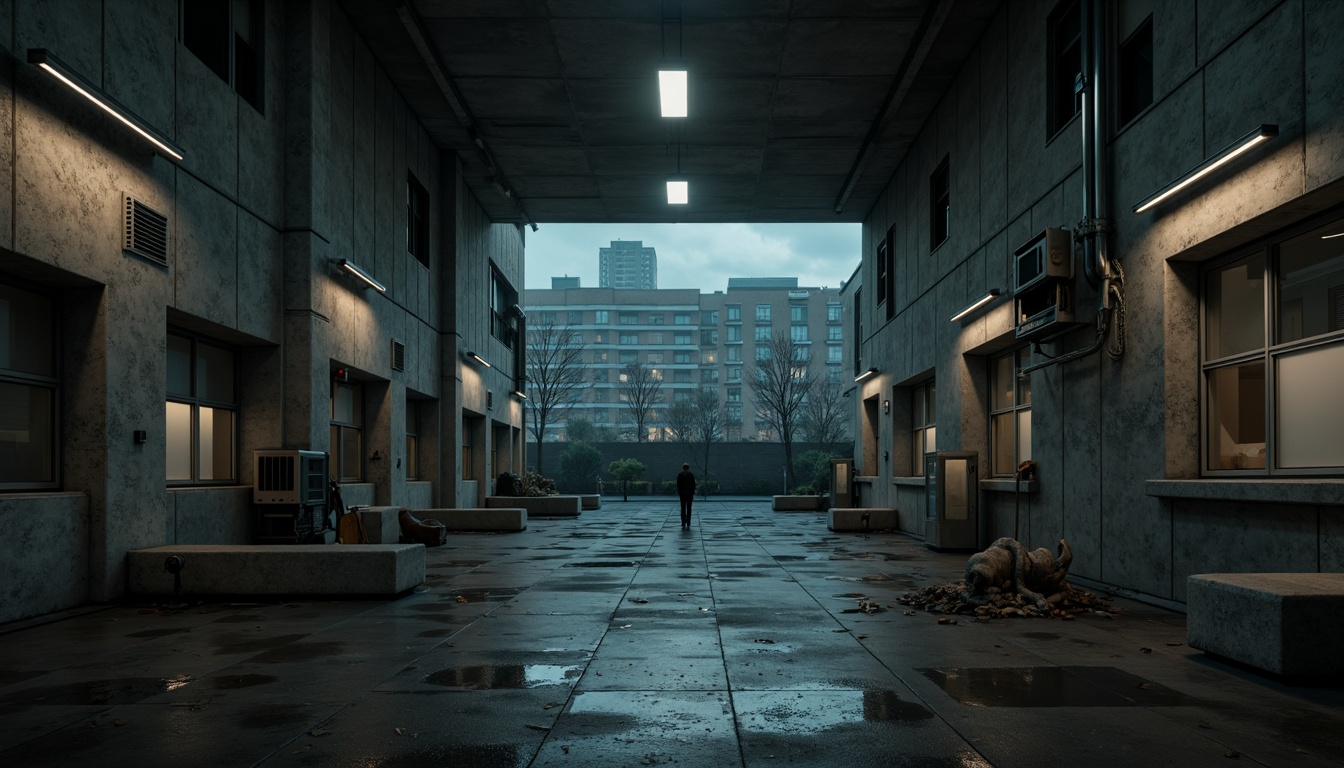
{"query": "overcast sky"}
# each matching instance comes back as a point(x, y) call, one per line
point(701, 256)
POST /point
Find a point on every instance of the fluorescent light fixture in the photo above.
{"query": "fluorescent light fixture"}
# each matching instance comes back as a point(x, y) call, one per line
point(1262, 133)
point(479, 359)
point(1331, 237)
point(678, 192)
point(978, 303)
point(362, 275)
point(672, 92)
point(866, 374)
point(57, 69)
point(518, 393)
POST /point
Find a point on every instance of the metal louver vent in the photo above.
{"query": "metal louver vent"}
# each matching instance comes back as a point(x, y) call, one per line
point(1337, 308)
point(398, 356)
point(146, 232)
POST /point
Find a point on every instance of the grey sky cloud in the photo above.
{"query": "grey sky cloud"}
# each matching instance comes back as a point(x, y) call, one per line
point(701, 256)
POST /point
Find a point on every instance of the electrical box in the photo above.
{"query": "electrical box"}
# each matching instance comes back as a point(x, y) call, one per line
point(952, 500)
point(1043, 285)
point(842, 482)
point(289, 495)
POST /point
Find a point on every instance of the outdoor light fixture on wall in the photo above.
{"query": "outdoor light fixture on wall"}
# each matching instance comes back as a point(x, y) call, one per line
point(866, 374)
point(978, 303)
point(518, 393)
point(1262, 133)
point(363, 276)
point(479, 359)
point(59, 70)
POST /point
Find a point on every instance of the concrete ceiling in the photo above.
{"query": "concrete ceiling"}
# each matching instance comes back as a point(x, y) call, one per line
point(797, 107)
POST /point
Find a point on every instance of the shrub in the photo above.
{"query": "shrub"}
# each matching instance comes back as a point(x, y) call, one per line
point(814, 468)
point(536, 485)
point(803, 490)
point(508, 484)
point(668, 486)
point(757, 487)
point(579, 468)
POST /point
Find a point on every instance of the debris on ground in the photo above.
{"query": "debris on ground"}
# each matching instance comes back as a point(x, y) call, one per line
point(946, 598)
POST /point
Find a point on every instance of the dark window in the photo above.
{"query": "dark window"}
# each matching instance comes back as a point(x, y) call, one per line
point(347, 432)
point(226, 35)
point(1136, 72)
point(502, 300)
point(1065, 49)
point(940, 206)
point(883, 265)
point(29, 390)
point(417, 220)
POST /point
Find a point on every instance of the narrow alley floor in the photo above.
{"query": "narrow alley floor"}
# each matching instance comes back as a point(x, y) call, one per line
point(618, 639)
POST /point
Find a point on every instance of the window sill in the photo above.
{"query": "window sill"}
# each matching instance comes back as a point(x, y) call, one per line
point(1277, 490)
point(910, 481)
point(1005, 484)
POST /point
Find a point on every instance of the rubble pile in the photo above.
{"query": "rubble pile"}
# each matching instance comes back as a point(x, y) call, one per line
point(946, 599)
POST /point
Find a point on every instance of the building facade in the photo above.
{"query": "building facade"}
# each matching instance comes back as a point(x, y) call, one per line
point(294, 265)
point(694, 341)
point(627, 264)
point(1179, 359)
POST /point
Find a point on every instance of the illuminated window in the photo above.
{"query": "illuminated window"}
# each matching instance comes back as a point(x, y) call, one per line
point(202, 412)
point(1009, 413)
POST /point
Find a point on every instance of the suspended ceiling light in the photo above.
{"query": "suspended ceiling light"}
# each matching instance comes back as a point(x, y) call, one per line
point(678, 191)
point(1262, 133)
point(672, 91)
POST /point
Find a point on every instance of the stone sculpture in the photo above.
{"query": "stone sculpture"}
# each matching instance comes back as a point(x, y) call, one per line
point(1006, 564)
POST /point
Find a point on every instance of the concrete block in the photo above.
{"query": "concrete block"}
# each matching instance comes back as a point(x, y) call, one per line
point(477, 518)
point(1283, 623)
point(798, 503)
point(381, 525)
point(284, 569)
point(538, 506)
point(590, 501)
point(860, 519)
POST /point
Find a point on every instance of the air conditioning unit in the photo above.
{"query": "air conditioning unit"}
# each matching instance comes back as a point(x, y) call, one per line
point(1043, 286)
point(290, 477)
point(1047, 256)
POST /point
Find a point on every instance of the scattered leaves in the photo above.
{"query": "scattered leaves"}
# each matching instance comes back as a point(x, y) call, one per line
point(399, 731)
point(765, 640)
point(946, 598)
point(318, 732)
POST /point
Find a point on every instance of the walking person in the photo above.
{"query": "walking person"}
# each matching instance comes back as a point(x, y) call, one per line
point(686, 492)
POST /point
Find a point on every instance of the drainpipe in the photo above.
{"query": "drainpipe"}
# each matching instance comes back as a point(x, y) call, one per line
point(1092, 233)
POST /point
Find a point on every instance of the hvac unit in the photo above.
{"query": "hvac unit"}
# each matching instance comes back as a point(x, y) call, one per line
point(289, 494)
point(1043, 285)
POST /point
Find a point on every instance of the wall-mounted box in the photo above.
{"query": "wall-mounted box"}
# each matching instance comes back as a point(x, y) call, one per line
point(1047, 256)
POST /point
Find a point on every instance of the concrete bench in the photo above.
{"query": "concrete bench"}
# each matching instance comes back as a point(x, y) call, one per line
point(798, 503)
point(280, 569)
point(1284, 623)
point(860, 519)
point(477, 518)
point(381, 525)
point(590, 501)
point(537, 506)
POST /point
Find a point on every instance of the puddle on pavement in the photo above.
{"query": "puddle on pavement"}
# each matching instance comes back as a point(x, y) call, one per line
point(491, 676)
point(812, 712)
point(236, 682)
point(125, 690)
point(486, 594)
point(789, 558)
point(603, 564)
point(158, 632)
point(1053, 687)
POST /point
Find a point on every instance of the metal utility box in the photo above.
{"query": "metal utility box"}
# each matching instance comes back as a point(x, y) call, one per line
point(1043, 289)
point(289, 494)
point(842, 482)
point(952, 496)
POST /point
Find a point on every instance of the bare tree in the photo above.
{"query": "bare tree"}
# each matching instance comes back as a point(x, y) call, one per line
point(781, 380)
point(709, 423)
point(826, 414)
point(555, 377)
point(679, 418)
point(641, 388)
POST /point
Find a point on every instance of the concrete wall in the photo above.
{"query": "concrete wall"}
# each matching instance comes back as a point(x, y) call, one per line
point(265, 201)
point(1102, 430)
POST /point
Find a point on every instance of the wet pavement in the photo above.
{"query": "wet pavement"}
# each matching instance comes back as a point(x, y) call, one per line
point(618, 639)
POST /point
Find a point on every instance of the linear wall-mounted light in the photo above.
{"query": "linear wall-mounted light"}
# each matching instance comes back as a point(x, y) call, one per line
point(672, 92)
point(518, 393)
point(978, 303)
point(678, 191)
point(1262, 133)
point(58, 69)
point(866, 374)
point(479, 359)
point(363, 276)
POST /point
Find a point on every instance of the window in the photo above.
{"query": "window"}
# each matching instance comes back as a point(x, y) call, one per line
point(226, 35)
point(546, 318)
point(600, 356)
point(627, 318)
point(468, 447)
point(629, 338)
point(1134, 61)
point(735, 374)
point(797, 313)
point(681, 358)
point(734, 313)
point(835, 333)
point(922, 421)
point(1009, 413)
point(708, 357)
point(762, 333)
point(734, 394)
point(762, 313)
point(940, 208)
point(202, 412)
point(347, 433)
point(709, 337)
point(883, 268)
point(734, 413)
point(733, 355)
point(600, 317)
point(832, 311)
point(1064, 46)
point(734, 333)
point(412, 439)
point(709, 375)
point(656, 318)
point(802, 354)
point(29, 390)
point(417, 219)
point(574, 318)
point(681, 338)
point(655, 358)
point(798, 333)
point(503, 298)
point(600, 416)
point(629, 358)
point(833, 373)
point(709, 318)
point(656, 338)
point(1273, 354)
point(681, 318)
point(681, 377)
point(835, 354)
point(762, 353)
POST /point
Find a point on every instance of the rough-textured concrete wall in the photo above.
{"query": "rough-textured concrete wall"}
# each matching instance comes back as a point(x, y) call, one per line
point(44, 556)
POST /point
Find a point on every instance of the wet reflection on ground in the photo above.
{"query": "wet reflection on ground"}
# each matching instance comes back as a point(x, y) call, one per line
point(1053, 687)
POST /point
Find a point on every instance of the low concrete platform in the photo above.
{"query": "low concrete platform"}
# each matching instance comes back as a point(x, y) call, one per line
point(1284, 623)
point(860, 519)
point(282, 569)
point(477, 518)
point(538, 506)
point(798, 503)
point(380, 524)
point(590, 501)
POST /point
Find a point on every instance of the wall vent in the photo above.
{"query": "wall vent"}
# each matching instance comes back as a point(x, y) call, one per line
point(146, 232)
point(398, 356)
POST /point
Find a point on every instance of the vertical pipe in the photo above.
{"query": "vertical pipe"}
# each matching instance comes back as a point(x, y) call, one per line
point(1097, 93)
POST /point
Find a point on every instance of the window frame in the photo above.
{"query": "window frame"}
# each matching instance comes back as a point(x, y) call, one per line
point(1013, 409)
point(195, 402)
point(503, 296)
point(51, 383)
point(1057, 50)
point(245, 77)
point(920, 429)
point(1133, 80)
point(339, 427)
point(417, 220)
point(940, 202)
